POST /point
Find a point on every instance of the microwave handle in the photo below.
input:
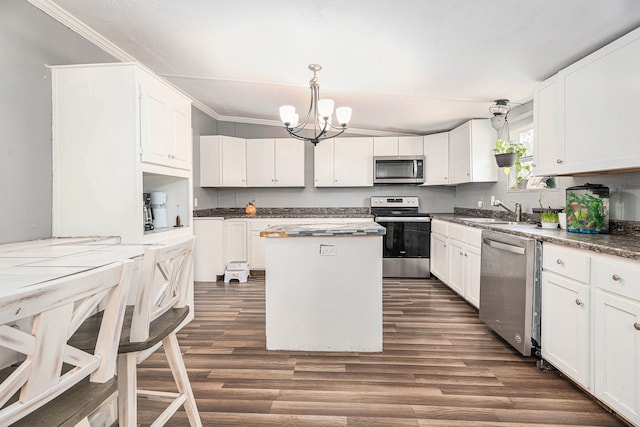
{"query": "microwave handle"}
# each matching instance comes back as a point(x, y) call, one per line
point(415, 168)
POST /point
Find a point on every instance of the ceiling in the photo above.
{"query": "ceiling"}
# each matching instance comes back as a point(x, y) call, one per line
point(404, 66)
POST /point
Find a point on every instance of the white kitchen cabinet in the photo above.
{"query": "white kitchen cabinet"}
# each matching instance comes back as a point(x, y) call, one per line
point(470, 155)
point(439, 256)
point(436, 157)
point(548, 151)
point(275, 162)
point(105, 129)
point(565, 305)
point(344, 162)
point(398, 146)
point(617, 334)
point(208, 260)
point(565, 326)
point(234, 240)
point(223, 161)
point(464, 248)
point(597, 107)
point(165, 124)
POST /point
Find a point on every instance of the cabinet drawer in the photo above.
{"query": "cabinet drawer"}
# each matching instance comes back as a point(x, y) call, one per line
point(617, 275)
point(439, 227)
point(457, 232)
point(473, 236)
point(569, 262)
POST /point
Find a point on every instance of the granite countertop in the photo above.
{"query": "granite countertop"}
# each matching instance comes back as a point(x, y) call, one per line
point(323, 230)
point(622, 245)
point(284, 213)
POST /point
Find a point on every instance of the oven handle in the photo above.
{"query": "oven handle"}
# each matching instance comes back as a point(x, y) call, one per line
point(504, 246)
point(403, 219)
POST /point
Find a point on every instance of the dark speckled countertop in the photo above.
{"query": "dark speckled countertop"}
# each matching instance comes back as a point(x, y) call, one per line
point(623, 245)
point(285, 213)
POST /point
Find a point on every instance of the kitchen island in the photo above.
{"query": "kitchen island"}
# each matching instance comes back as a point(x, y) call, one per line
point(324, 287)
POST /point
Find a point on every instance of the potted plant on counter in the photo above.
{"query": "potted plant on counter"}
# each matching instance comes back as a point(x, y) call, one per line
point(549, 219)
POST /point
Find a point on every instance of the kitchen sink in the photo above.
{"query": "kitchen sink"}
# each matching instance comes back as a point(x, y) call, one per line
point(495, 221)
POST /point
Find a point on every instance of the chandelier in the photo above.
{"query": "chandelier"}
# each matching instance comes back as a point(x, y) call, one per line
point(318, 117)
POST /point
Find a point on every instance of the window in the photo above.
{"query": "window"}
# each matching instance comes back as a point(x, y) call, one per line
point(521, 177)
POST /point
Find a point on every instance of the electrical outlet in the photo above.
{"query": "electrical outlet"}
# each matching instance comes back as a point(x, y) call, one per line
point(493, 200)
point(328, 250)
point(195, 202)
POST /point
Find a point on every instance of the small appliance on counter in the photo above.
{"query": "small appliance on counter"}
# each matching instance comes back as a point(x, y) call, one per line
point(146, 212)
point(159, 209)
point(587, 209)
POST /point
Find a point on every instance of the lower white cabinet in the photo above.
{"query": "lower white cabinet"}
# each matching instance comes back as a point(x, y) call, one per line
point(208, 261)
point(565, 326)
point(234, 240)
point(455, 258)
point(439, 257)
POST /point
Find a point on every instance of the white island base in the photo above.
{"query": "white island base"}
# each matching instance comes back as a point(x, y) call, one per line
point(324, 293)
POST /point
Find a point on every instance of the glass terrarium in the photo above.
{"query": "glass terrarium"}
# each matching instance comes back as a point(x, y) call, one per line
point(587, 209)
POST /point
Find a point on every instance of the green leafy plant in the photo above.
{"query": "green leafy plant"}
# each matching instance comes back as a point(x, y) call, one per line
point(506, 147)
point(549, 216)
point(585, 212)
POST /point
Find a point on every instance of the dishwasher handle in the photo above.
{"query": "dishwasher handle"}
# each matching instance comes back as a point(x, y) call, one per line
point(504, 246)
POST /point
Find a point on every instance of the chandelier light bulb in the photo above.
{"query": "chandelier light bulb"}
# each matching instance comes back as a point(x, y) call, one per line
point(294, 121)
point(343, 114)
point(287, 114)
point(325, 107)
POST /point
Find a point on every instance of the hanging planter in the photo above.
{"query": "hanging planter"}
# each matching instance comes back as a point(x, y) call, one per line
point(506, 160)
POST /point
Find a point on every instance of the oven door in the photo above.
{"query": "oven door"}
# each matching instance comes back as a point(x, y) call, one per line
point(406, 246)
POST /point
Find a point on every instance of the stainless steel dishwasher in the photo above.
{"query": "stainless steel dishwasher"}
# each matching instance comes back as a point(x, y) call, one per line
point(510, 288)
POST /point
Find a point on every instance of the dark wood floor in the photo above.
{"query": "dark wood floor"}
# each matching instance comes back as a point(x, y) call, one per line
point(440, 367)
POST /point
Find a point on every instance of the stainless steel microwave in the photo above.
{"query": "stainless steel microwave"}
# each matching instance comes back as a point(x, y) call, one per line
point(398, 169)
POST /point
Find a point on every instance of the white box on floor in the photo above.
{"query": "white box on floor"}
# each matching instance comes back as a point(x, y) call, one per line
point(237, 270)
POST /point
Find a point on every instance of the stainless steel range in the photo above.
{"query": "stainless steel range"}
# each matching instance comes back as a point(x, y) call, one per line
point(406, 246)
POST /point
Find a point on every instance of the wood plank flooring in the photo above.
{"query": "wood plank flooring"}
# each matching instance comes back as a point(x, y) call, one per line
point(440, 366)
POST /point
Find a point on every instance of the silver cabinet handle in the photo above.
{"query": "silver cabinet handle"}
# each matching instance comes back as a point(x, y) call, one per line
point(637, 326)
point(615, 278)
point(559, 261)
point(466, 255)
point(559, 161)
point(578, 302)
point(460, 253)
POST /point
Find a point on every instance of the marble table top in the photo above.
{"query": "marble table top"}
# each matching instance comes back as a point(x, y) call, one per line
point(326, 229)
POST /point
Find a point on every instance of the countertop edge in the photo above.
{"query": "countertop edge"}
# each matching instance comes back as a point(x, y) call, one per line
point(610, 244)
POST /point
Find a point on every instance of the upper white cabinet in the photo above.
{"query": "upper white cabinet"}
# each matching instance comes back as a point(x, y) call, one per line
point(397, 146)
point(344, 162)
point(275, 162)
point(165, 124)
point(223, 161)
point(118, 132)
point(436, 157)
point(470, 155)
point(597, 106)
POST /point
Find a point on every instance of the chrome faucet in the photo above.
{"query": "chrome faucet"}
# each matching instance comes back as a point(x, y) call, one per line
point(517, 211)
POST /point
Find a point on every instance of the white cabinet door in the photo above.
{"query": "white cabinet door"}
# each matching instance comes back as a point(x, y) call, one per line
point(565, 326)
point(260, 163)
point(470, 155)
point(617, 353)
point(548, 143)
point(289, 162)
point(455, 274)
point(235, 240)
point(436, 153)
point(410, 146)
point(208, 260)
point(234, 162)
point(439, 256)
point(353, 162)
point(165, 124)
point(385, 146)
point(593, 86)
point(460, 154)
point(472, 275)
point(323, 164)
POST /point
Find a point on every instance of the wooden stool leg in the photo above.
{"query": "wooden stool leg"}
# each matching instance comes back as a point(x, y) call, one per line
point(127, 390)
point(179, 371)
